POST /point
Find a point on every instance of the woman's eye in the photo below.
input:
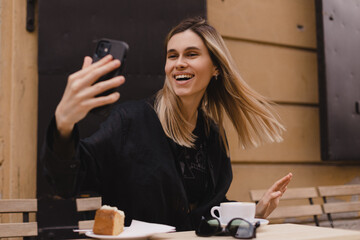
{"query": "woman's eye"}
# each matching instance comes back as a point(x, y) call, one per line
point(172, 56)
point(192, 54)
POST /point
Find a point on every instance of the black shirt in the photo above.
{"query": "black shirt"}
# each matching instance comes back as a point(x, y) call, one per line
point(193, 164)
point(130, 163)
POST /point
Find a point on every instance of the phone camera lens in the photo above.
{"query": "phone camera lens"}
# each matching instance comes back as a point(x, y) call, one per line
point(103, 49)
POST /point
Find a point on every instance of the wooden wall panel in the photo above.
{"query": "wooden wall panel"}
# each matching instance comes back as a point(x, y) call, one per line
point(301, 140)
point(280, 73)
point(24, 104)
point(1, 159)
point(276, 21)
point(18, 101)
point(262, 176)
point(1, 151)
point(5, 73)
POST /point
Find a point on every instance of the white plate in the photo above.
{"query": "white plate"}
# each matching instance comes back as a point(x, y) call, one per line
point(120, 236)
point(137, 230)
point(262, 222)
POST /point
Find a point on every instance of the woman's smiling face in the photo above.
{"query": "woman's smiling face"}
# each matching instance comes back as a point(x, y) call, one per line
point(188, 67)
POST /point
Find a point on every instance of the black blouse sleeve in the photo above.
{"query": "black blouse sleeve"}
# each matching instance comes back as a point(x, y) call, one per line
point(60, 167)
point(75, 166)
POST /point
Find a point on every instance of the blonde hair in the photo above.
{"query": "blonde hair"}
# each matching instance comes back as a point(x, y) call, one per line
point(250, 113)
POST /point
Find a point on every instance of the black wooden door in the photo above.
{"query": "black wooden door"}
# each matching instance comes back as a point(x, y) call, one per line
point(338, 31)
point(68, 31)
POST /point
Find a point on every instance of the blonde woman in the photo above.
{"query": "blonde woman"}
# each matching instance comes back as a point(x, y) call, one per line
point(164, 159)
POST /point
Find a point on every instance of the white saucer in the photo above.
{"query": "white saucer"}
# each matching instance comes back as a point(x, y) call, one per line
point(262, 222)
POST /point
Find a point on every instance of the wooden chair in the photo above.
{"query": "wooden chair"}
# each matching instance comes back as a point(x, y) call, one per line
point(24, 229)
point(342, 206)
point(296, 211)
point(87, 205)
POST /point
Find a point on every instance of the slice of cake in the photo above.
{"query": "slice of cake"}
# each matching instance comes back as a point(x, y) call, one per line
point(109, 221)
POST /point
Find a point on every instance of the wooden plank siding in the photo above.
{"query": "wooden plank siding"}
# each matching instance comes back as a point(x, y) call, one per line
point(281, 22)
point(280, 73)
point(248, 176)
point(278, 60)
point(301, 139)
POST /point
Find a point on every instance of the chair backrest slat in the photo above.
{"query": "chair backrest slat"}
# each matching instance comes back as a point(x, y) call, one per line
point(341, 207)
point(88, 204)
point(296, 211)
point(300, 193)
point(18, 229)
point(86, 224)
point(24, 206)
point(18, 205)
point(339, 190)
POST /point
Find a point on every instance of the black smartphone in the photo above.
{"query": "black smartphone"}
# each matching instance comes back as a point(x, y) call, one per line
point(118, 49)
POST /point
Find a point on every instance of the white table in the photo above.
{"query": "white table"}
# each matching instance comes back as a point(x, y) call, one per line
point(278, 232)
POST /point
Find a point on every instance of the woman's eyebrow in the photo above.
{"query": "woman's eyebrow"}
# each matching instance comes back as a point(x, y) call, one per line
point(171, 50)
point(187, 49)
point(192, 48)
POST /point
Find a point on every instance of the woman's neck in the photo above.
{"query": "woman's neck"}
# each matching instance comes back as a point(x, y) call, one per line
point(190, 110)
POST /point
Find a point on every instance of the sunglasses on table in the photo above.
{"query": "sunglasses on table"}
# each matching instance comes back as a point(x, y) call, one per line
point(237, 227)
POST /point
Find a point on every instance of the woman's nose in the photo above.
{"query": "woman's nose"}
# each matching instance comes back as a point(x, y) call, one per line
point(181, 63)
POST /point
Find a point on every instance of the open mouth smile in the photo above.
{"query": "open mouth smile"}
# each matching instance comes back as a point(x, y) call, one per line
point(183, 77)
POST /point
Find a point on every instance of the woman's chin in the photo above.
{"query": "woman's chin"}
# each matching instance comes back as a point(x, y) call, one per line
point(181, 94)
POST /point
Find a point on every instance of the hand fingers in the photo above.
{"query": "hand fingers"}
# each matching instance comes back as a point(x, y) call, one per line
point(283, 190)
point(283, 186)
point(283, 182)
point(100, 71)
point(101, 87)
point(276, 194)
point(106, 85)
point(91, 67)
point(81, 83)
point(271, 196)
point(87, 62)
point(101, 101)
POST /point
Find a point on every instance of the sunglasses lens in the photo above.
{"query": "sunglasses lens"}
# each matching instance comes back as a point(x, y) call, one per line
point(208, 228)
point(240, 228)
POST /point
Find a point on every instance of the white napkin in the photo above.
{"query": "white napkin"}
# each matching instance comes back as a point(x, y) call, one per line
point(139, 228)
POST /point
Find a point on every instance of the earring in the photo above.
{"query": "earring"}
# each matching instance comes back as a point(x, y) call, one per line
point(216, 77)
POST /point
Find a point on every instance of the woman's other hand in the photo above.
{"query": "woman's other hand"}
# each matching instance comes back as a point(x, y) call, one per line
point(271, 198)
point(79, 96)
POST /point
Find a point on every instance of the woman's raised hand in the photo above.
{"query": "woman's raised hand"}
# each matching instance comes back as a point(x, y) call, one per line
point(271, 198)
point(79, 96)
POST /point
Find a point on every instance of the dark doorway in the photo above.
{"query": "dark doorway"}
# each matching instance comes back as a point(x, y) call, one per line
point(68, 31)
point(338, 28)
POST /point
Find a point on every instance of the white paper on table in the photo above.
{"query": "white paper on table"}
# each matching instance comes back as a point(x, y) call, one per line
point(144, 228)
point(136, 230)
